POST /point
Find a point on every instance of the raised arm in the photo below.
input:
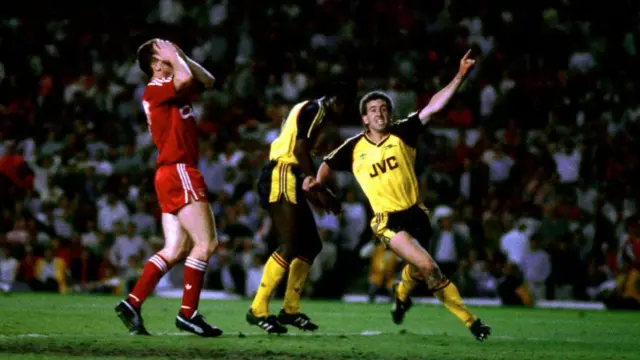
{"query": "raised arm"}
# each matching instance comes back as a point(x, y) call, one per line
point(442, 97)
point(201, 74)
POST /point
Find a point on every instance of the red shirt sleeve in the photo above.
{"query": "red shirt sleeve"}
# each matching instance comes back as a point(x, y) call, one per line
point(160, 90)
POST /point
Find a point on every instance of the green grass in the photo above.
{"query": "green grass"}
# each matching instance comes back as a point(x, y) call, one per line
point(65, 327)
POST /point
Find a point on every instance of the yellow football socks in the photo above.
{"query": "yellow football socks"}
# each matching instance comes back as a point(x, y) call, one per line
point(451, 299)
point(273, 272)
point(407, 284)
point(298, 273)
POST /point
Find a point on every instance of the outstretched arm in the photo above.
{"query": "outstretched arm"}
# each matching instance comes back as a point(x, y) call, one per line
point(440, 99)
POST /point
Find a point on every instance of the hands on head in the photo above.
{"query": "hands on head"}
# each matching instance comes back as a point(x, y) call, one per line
point(165, 50)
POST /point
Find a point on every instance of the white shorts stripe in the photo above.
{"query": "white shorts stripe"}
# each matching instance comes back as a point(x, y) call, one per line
point(184, 185)
point(187, 180)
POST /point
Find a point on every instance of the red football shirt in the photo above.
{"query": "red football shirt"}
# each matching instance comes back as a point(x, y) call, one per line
point(171, 122)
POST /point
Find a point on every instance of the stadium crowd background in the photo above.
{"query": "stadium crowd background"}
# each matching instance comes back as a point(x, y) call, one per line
point(534, 159)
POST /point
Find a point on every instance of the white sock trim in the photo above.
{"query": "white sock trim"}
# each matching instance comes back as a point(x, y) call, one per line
point(159, 263)
point(196, 264)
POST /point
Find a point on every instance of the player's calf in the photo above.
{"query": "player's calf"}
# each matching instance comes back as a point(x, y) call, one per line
point(198, 221)
point(153, 271)
point(410, 250)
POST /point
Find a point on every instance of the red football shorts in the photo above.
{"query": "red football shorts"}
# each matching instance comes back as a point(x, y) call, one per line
point(177, 185)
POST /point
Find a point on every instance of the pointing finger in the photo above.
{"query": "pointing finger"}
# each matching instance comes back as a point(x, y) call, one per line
point(466, 56)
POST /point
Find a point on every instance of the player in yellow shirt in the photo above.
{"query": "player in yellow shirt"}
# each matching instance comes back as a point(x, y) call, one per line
point(382, 160)
point(281, 192)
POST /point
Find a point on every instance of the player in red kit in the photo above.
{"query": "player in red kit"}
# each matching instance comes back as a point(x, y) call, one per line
point(187, 220)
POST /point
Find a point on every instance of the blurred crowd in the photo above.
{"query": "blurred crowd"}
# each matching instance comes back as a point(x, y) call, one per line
point(530, 172)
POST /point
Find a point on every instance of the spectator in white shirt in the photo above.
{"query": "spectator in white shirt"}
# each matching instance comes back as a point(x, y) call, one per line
point(8, 270)
point(581, 61)
point(143, 221)
point(90, 237)
point(102, 166)
point(127, 246)
point(111, 212)
point(293, 83)
point(536, 267)
point(447, 246)
point(488, 97)
point(499, 166)
point(327, 223)
point(43, 169)
point(232, 155)
point(568, 163)
point(170, 11)
point(586, 198)
point(515, 244)
point(212, 171)
point(254, 276)
point(355, 221)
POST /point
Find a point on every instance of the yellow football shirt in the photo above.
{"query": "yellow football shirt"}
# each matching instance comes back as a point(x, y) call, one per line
point(303, 122)
point(385, 170)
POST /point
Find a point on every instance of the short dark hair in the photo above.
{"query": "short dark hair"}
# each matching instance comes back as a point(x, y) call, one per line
point(145, 55)
point(375, 95)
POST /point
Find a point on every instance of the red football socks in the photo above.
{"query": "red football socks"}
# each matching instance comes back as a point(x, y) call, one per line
point(153, 271)
point(194, 271)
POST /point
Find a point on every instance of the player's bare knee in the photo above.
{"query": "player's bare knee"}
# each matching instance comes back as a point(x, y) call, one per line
point(211, 246)
point(172, 255)
point(182, 253)
point(425, 265)
point(204, 251)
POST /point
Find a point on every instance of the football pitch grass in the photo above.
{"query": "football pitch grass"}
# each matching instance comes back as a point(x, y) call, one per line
point(73, 327)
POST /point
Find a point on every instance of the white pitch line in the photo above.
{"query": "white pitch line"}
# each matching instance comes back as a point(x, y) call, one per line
point(305, 334)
